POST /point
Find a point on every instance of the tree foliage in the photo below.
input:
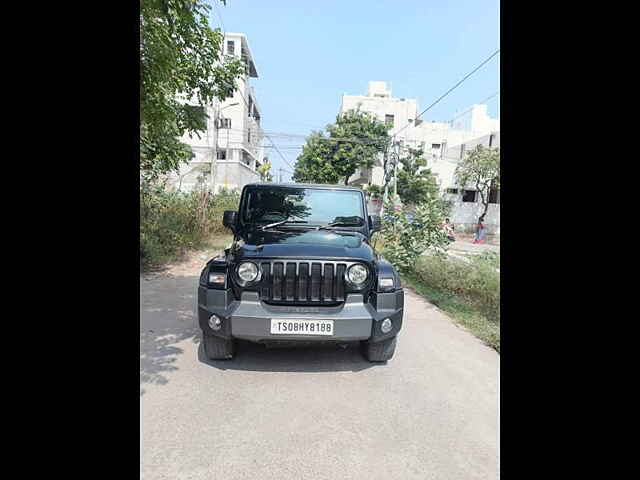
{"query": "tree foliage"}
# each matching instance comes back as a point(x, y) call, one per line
point(416, 184)
point(265, 171)
point(481, 168)
point(374, 191)
point(180, 61)
point(327, 158)
point(405, 240)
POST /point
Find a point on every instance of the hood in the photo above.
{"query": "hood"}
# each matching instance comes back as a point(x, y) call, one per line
point(301, 243)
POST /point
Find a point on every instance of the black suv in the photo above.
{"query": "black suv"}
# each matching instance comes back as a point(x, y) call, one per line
point(300, 270)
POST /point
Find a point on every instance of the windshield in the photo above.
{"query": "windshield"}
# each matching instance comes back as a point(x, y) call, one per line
point(302, 206)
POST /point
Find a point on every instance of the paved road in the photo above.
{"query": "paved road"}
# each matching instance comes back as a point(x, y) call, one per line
point(429, 413)
point(469, 247)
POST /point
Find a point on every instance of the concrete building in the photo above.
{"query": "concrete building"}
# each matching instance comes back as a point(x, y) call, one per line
point(396, 112)
point(444, 145)
point(475, 119)
point(229, 153)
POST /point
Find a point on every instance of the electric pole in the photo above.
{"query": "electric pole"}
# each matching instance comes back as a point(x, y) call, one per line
point(214, 149)
point(214, 152)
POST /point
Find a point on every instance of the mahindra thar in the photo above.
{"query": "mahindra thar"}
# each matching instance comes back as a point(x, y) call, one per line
point(300, 270)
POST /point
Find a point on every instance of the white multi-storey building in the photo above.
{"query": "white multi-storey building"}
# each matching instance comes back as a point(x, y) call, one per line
point(444, 145)
point(229, 153)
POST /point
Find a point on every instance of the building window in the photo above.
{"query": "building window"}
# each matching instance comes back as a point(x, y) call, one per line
point(221, 154)
point(230, 47)
point(435, 146)
point(462, 149)
point(225, 123)
point(249, 136)
point(388, 120)
point(250, 108)
point(452, 191)
point(469, 196)
point(494, 196)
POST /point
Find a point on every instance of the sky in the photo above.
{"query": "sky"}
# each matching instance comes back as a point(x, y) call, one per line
point(309, 53)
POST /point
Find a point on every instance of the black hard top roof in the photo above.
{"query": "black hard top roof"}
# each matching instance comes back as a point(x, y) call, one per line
point(302, 185)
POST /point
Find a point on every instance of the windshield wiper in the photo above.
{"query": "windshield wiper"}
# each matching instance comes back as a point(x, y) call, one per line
point(339, 224)
point(282, 222)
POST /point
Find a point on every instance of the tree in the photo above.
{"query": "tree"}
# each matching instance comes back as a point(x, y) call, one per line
point(374, 191)
point(180, 61)
point(265, 171)
point(481, 168)
point(352, 142)
point(406, 239)
point(415, 183)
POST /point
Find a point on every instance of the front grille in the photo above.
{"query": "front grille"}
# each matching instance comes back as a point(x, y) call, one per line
point(302, 282)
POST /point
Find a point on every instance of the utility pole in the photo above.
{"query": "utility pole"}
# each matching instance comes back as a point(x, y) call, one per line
point(385, 168)
point(395, 170)
point(214, 149)
point(214, 152)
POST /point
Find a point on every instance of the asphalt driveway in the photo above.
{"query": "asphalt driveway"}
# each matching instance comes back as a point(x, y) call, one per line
point(323, 413)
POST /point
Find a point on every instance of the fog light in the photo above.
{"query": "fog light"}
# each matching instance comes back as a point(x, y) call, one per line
point(386, 325)
point(215, 322)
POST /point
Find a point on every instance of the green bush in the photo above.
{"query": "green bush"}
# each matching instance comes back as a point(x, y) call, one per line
point(172, 222)
point(404, 240)
point(477, 283)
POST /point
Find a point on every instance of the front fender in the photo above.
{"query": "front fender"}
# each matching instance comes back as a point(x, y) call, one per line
point(386, 269)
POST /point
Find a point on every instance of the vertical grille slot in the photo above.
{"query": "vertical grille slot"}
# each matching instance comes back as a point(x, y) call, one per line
point(277, 281)
point(327, 282)
point(316, 277)
point(266, 280)
point(339, 282)
point(290, 281)
point(303, 281)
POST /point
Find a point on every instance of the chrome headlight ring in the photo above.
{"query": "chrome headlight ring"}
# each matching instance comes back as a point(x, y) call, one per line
point(357, 275)
point(248, 272)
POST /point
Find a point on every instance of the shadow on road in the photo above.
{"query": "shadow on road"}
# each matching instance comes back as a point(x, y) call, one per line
point(167, 318)
point(317, 358)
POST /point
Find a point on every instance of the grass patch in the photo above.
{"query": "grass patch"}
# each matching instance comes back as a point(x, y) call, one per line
point(218, 241)
point(470, 293)
point(172, 223)
point(488, 257)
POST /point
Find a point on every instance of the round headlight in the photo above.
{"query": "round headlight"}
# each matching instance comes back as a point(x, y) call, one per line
point(248, 271)
point(357, 274)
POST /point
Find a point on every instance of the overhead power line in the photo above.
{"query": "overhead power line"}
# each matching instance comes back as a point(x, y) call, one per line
point(215, 6)
point(278, 150)
point(480, 103)
point(239, 131)
point(450, 90)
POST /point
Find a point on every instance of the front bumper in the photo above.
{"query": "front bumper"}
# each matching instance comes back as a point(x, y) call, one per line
point(250, 319)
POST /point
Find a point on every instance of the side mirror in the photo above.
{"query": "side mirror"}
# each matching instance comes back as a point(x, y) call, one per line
point(375, 225)
point(230, 219)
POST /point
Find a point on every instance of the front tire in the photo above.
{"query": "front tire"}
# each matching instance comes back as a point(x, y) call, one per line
point(379, 351)
point(216, 348)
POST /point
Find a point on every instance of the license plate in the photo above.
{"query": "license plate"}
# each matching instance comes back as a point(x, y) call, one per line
point(302, 327)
